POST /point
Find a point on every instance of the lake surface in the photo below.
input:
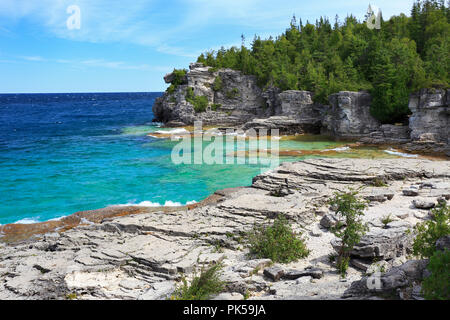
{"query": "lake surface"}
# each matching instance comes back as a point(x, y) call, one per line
point(63, 153)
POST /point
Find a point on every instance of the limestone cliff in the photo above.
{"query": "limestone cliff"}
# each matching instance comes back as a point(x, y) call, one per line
point(429, 123)
point(234, 99)
point(349, 115)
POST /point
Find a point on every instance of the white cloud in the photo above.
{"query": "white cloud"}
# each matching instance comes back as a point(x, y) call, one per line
point(34, 58)
point(171, 26)
point(93, 63)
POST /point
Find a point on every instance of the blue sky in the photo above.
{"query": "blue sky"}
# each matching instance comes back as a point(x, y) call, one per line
point(130, 45)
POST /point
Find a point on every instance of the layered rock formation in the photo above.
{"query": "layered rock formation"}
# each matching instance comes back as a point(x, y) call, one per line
point(233, 98)
point(236, 100)
point(349, 115)
point(144, 255)
point(430, 120)
point(292, 112)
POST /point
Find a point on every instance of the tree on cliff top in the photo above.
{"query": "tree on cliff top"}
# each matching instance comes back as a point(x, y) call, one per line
point(406, 54)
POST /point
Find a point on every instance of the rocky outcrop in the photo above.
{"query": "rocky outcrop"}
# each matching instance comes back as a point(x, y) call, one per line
point(143, 255)
point(402, 281)
point(294, 112)
point(349, 115)
point(430, 120)
point(233, 98)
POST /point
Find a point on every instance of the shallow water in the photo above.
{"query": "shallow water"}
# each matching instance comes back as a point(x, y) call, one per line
point(62, 153)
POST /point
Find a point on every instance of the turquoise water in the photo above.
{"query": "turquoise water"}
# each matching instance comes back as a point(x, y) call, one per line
point(63, 153)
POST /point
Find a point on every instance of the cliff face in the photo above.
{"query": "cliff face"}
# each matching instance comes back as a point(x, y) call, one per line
point(429, 123)
point(234, 99)
point(291, 112)
point(349, 115)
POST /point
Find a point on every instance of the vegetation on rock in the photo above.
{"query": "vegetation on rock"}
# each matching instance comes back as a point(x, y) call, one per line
point(200, 103)
point(350, 209)
point(406, 54)
point(428, 232)
point(233, 93)
point(179, 78)
point(203, 286)
point(217, 86)
point(437, 285)
point(277, 242)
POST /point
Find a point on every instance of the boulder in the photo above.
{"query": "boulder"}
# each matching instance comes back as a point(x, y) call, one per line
point(423, 204)
point(381, 243)
point(274, 273)
point(396, 278)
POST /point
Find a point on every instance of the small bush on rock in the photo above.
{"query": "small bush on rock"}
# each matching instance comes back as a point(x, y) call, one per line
point(200, 103)
point(217, 86)
point(386, 220)
point(202, 287)
point(350, 209)
point(277, 242)
point(179, 78)
point(428, 232)
point(233, 93)
point(437, 285)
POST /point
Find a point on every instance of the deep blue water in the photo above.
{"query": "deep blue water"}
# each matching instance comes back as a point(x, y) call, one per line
point(63, 153)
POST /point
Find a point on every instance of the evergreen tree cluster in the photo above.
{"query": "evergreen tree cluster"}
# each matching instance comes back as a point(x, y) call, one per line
point(403, 56)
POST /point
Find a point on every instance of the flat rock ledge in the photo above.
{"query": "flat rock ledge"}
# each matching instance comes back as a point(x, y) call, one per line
point(144, 254)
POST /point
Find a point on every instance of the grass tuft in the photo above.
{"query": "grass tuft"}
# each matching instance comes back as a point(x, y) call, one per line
point(203, 286)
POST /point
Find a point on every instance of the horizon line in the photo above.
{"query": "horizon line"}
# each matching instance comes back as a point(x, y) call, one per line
point(80, 92)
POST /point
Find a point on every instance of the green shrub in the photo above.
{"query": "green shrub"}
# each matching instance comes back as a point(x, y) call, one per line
point(200, 103)
point(202, 287)
point(437, 285)
point(217, 86)
point(350, 209)
point(428, 232)
point(277, 242)
point(379, 182)
point(215, 106)
point(233, 93)
point(213, 69)
point(171, 89)
point(179, 77)
point(189, 93)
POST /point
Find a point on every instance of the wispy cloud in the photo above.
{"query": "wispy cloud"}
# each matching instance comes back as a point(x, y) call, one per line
point(92, 63)
point(171, 26)
point(33, 58)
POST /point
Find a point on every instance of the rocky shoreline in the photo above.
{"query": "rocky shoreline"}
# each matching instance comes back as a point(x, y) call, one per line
point(235, 100)
point(143, 254)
